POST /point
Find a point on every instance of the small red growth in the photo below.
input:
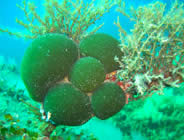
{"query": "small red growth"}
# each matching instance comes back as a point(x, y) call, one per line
point(111, 76)
point(124, 88)
point(127, 96)
point(52, 29)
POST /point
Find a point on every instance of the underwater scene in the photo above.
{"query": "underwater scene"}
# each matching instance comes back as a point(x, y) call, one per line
point(92, 70)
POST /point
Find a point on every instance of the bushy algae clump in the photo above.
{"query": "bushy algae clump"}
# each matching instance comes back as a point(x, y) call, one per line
point(107, 100)
point(153, 54)
point(55, 53)
point(48, 59)
point(153, 61)
point(69, 17)
point(103, 47)
point(45, 68)
point(68, 105)
point(87, 74)
point(65, 66)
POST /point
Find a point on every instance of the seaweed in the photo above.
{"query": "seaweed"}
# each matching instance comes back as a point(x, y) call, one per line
point(154, 51)
point(69, 17)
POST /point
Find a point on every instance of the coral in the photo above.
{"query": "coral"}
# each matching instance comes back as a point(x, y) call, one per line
point(69, 17)
point(67, 105)
point(87, 74)
point(107, 100)
point(46, 61)
point(153, 54)
point(104, 48)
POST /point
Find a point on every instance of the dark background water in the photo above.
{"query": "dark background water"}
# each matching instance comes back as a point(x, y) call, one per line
point(11, 46)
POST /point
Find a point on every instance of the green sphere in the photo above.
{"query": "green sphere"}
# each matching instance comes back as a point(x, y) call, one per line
point(107, 100)
point(104, 48)
point(67, 105)
point(87, 74)
point(47, 60)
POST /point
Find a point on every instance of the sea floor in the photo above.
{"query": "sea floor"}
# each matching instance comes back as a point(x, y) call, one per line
point(159, 117)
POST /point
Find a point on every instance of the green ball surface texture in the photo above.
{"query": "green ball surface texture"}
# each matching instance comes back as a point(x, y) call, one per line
point(67, 105)
point(47, 60)
point(87, 74)
point(107, 100)
point(104, 48)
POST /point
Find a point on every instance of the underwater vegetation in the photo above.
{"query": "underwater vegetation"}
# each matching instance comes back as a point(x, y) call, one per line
point(72, 18)
point(102, 47)
point(157, 117)
point(71, 88)
point(67, 67)
point(153, 54)
point(153, 63)
point(46, 61)
point(20, 117)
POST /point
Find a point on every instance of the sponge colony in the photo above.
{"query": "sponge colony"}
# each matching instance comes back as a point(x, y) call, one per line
point(104, 48)
point(87, 74)
point(107, 100)
point(46, 61)
point(67, 105)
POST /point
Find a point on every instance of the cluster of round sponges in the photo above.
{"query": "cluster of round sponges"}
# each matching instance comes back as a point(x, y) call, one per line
point(53, 57)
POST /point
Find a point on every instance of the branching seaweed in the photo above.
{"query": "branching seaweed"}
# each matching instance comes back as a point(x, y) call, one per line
point(154, 52)
point(69, 17)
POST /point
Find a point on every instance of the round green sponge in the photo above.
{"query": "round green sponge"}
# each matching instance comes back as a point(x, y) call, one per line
point(107, 100)
point(67, 105)
point(47, 60)
point(87, 74)
point(103, 47)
